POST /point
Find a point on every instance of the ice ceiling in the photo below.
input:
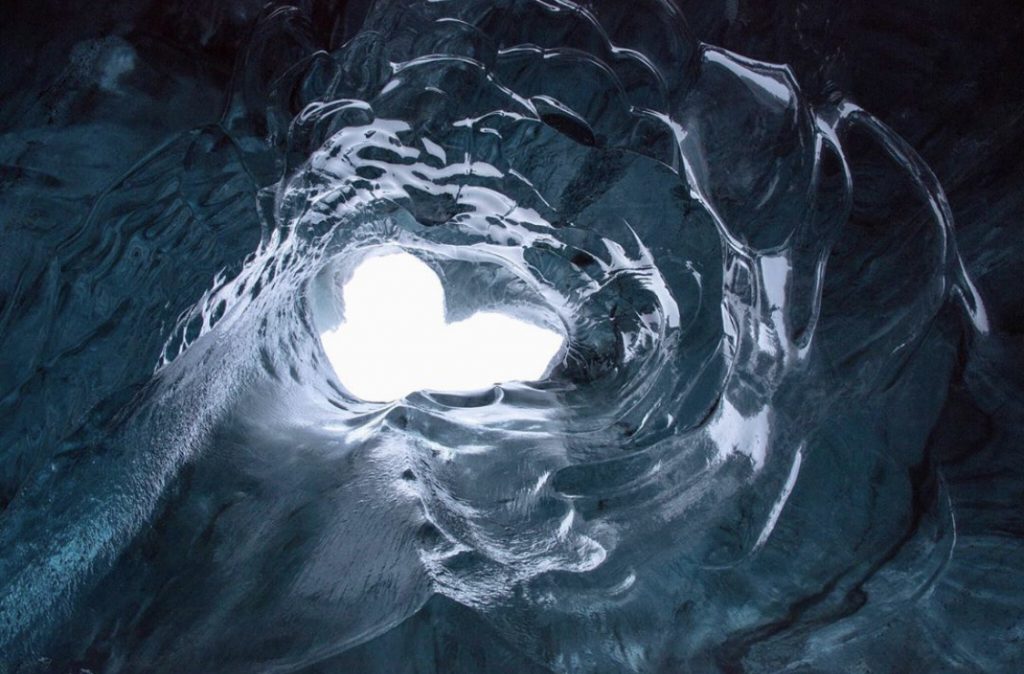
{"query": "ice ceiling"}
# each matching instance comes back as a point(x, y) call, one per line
point(745, 381)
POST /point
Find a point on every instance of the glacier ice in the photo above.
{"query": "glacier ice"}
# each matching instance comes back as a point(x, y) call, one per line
point(779, 431)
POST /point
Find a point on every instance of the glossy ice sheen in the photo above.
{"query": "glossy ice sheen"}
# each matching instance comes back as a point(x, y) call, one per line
point(734, 463)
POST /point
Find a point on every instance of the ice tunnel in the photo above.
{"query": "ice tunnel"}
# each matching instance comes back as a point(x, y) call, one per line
point(482, 336)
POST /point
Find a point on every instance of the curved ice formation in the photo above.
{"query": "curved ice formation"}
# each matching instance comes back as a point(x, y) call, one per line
point(727, 464)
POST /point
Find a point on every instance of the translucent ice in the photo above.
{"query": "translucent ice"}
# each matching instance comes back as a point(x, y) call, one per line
point(751, 440)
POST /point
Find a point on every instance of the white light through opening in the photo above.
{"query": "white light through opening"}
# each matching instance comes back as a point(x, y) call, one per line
point(394, 339)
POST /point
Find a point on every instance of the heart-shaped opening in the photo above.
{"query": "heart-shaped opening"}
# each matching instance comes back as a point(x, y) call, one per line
point(394, 338)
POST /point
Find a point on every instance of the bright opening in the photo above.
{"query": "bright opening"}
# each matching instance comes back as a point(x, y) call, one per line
point(394, 339)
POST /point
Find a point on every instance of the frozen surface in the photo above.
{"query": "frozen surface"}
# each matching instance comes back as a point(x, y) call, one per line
point(782, 433)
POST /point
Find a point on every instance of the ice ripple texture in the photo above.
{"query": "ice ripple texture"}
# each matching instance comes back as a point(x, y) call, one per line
point(729, 470)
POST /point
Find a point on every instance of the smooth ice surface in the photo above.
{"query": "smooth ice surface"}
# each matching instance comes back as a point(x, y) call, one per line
point(395, 340)
point(782, 435)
